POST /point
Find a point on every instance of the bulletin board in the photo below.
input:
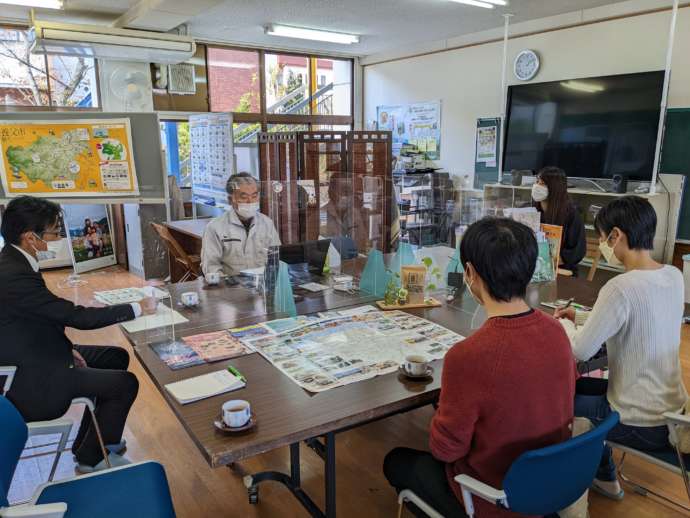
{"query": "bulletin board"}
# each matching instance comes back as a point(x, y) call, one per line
point(145, 150)
point(417, 124)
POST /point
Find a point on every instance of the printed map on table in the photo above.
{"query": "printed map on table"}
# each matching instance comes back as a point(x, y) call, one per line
point(68, 158)
point(320, 354)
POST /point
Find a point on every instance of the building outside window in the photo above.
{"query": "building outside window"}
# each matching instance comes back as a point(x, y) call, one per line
point(234, 80)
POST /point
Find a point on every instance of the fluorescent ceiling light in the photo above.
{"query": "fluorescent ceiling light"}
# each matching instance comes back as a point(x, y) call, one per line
point(496, 2)
point(311, 34)
point(475, 3)
point(45, 4)
point(582, 87)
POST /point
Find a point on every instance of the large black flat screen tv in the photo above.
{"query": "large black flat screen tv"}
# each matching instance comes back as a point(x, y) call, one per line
point(591, 128)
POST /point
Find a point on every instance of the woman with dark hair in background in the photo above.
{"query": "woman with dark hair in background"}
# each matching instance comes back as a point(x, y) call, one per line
point(550, 195)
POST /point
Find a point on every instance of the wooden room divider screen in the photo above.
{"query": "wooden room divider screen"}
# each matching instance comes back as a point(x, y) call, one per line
point(310, 158)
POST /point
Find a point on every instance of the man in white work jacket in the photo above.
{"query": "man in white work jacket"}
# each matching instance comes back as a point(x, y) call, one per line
point(239, 239)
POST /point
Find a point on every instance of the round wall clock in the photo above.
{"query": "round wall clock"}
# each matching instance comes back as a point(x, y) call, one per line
point(526, 65)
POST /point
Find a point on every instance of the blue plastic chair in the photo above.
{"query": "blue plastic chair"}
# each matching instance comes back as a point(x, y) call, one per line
point(547, 480)
point(136, 491)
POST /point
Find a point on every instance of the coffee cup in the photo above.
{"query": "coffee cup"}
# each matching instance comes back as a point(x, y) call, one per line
point(212, 278)
point(190, 298)
point(416, 364)
point(236, 413)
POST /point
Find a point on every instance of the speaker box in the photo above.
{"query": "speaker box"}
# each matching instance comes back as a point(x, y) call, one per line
point(620, 184)
point(455, 279)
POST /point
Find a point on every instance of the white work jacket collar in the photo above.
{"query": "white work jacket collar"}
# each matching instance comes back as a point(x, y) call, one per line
point(235, 219)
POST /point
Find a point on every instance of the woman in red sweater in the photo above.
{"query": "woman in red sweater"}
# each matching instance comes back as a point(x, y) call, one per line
point(506, 389)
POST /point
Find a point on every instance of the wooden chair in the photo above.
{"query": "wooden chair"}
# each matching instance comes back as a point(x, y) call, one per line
point(190, 263)
point(594, 254)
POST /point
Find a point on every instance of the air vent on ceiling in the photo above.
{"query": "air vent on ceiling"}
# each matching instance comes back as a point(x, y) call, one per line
point(181, 79)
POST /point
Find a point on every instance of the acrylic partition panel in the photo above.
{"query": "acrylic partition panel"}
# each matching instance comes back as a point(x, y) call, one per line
point(327, 230)
point(209, 298)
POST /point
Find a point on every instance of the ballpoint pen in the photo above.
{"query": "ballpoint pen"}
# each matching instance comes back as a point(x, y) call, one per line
point(236, 373)
point(567, 304)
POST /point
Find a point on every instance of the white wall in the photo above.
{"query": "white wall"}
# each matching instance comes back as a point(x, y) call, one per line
point(468, 81)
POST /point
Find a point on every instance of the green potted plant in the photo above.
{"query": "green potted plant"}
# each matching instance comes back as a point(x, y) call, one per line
point(434, 276)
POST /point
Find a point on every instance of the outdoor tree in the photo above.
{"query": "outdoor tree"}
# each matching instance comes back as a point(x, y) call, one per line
point(30, 73)
point(249, 101)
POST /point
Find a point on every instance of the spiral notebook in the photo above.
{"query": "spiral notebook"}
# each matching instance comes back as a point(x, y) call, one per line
point(204, 386)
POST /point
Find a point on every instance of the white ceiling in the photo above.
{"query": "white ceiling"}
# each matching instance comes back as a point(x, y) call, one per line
point(382, 24)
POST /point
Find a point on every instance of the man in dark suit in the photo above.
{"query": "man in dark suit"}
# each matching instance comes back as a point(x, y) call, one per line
point(51, 371)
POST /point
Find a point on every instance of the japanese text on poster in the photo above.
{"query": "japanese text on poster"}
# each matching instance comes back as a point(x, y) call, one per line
point(67, 158)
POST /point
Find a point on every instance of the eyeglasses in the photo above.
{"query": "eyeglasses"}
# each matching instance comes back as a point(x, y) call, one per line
point(51, 235)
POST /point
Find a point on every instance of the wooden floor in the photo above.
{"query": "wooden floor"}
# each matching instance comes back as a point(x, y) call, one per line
point(153, 433)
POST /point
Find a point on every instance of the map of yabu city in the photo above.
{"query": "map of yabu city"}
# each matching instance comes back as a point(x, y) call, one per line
point(49, 158)
point(73, 158)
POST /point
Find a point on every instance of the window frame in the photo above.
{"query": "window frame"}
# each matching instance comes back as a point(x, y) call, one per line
point(51, 107)
point(262, 117)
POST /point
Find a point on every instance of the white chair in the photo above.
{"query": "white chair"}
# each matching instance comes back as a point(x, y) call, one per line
point(407, 495)
point(61, 427)
point(670, 459)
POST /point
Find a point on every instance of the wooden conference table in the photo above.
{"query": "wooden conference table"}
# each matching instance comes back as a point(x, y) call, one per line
point(285, 413)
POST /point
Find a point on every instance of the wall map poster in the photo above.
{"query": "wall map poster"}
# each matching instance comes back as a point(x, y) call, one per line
point(417, 124)
point(68, 158)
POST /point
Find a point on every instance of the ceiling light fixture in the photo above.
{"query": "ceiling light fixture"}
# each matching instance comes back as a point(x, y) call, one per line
point(311, 34)
point(45, 4)
point(496, 2)
point(580, 86)
point(486, 4)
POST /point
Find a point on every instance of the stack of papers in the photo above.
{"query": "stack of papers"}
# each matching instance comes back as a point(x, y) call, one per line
point(204, 386)
point(127, 295)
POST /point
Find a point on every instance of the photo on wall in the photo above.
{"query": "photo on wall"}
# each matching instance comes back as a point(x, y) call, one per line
point(90, 236)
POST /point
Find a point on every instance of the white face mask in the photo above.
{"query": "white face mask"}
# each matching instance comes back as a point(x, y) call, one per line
point(540, 192)
point(607, 252)
point(247, 210)
point(42, 255)
point(468, 285)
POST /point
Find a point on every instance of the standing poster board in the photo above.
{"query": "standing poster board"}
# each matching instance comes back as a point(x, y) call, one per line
point(212, 155)
point(554, 235)
point(90, 237)
point(488, 137)
point(67, 158)
point(416, 124)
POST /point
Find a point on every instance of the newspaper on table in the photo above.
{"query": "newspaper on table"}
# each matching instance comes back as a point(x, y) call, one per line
point(323, 353)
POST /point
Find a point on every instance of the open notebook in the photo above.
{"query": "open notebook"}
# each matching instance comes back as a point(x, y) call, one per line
point(204, 386)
